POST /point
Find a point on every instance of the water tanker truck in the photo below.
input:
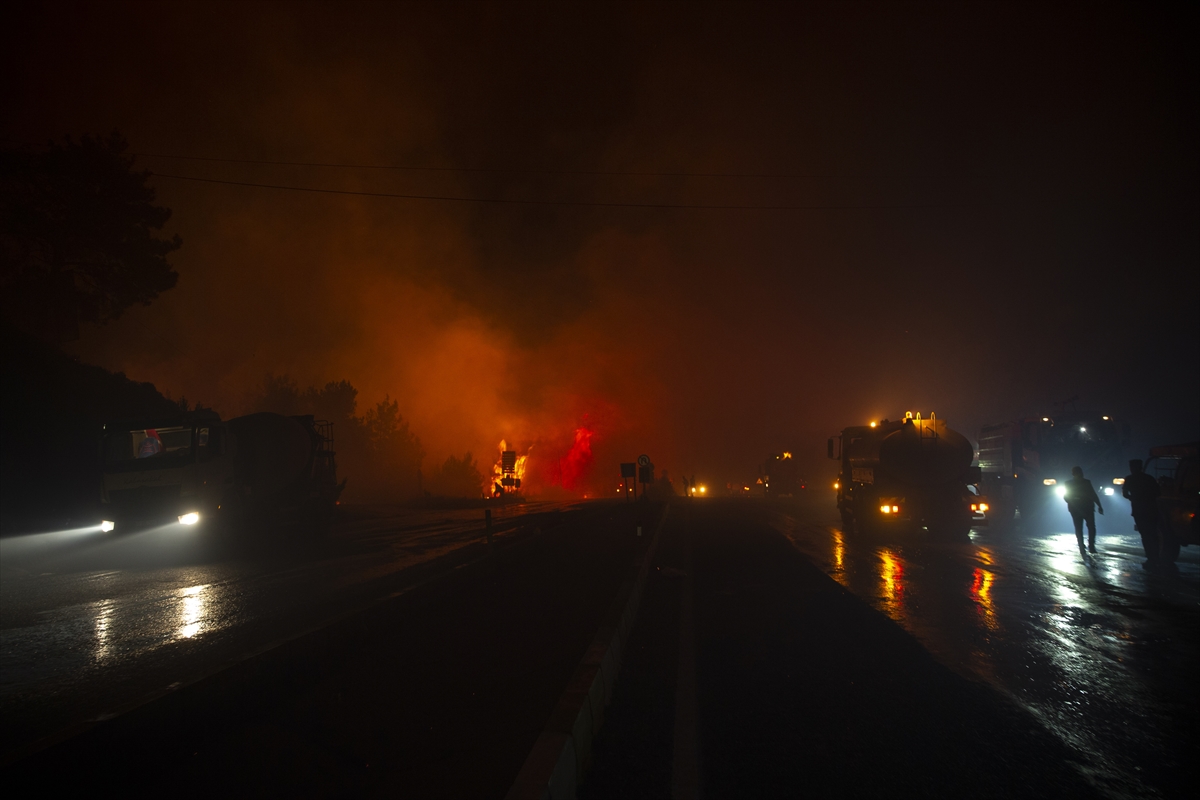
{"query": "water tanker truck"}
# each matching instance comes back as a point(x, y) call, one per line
point(197, 468)
point(912, 473)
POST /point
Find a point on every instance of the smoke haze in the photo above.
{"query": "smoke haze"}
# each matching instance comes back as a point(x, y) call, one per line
point(998, 212)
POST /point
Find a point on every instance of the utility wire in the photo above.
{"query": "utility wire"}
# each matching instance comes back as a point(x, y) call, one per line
point(495, 170)
point(503, 201)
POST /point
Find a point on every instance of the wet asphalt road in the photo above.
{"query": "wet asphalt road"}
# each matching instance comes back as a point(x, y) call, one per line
point(1011, 665)
point(440, 691)
point(1103, 652)
point(774, 654)
point(92, 624)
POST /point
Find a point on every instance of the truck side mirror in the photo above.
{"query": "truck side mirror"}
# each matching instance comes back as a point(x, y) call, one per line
point(974, 475)
point(830, 443)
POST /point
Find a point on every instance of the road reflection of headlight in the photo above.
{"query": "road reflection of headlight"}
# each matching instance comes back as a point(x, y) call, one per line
point(107, 525)
point(1061, 491)
point(190, 518)
point(1108, 491)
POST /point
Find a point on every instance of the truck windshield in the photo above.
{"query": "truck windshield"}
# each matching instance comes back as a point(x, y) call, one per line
point(147, 448)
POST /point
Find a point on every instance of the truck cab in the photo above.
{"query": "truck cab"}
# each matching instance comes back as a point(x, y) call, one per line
point(166, 471)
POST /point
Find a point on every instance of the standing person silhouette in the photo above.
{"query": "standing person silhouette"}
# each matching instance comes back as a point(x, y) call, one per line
point(1082, 502)
point(1141, 490)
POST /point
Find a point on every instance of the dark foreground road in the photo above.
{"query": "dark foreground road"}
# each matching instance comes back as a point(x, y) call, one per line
point(774, 656)
point(777, 656)
point(93, 624)
point(437, 692)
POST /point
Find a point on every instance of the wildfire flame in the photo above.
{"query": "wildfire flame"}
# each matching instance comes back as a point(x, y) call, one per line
point(498, 467)
point(570, 470)
point(573, 467)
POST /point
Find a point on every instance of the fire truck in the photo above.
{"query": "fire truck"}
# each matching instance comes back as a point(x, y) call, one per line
point(910, 473)
point(195, 468)
point(1025, 463)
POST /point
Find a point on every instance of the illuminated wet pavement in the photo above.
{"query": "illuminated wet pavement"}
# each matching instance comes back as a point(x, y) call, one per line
point(1103, 652)
point(845, 665)
point(92, 624)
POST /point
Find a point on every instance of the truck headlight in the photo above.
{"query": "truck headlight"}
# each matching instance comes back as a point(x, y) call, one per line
point(107, 525)
point(190, 518)
point(1108, 490)
point(1049, 481)
point(1061, 491)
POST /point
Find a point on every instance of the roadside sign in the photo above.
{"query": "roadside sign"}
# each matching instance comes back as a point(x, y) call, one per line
point(628, 470)
point(646, 474)
point(643, 461)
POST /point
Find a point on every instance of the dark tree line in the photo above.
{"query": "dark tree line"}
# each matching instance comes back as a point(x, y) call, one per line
point(457, 477)
point(78, 237)
point(376, 451)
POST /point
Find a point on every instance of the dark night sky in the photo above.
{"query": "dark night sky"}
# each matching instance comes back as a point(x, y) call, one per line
point(1001, 212)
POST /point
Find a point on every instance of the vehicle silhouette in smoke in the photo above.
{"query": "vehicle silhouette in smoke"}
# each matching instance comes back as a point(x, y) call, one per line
point(779, 476)
point(1026, 463)
point(910, 473)
point(1177, 470)
point(196, 468)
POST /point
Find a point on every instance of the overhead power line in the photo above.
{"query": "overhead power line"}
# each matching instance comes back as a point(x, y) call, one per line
point(496, 170)
point(509, 201)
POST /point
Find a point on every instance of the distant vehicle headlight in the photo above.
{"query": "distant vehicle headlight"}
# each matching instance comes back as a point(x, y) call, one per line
point(1108, 490)
point(190, 518)
point(1061, 491)
point(1049, 481)
point(107, 525)
point(1118, 481)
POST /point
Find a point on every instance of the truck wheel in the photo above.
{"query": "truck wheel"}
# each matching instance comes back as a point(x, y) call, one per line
point(847, 522)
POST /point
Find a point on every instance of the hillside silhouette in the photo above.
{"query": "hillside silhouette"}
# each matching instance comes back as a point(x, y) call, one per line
point(52, 412)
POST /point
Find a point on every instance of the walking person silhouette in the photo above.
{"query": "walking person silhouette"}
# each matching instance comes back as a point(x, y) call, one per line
point(1082, 502)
